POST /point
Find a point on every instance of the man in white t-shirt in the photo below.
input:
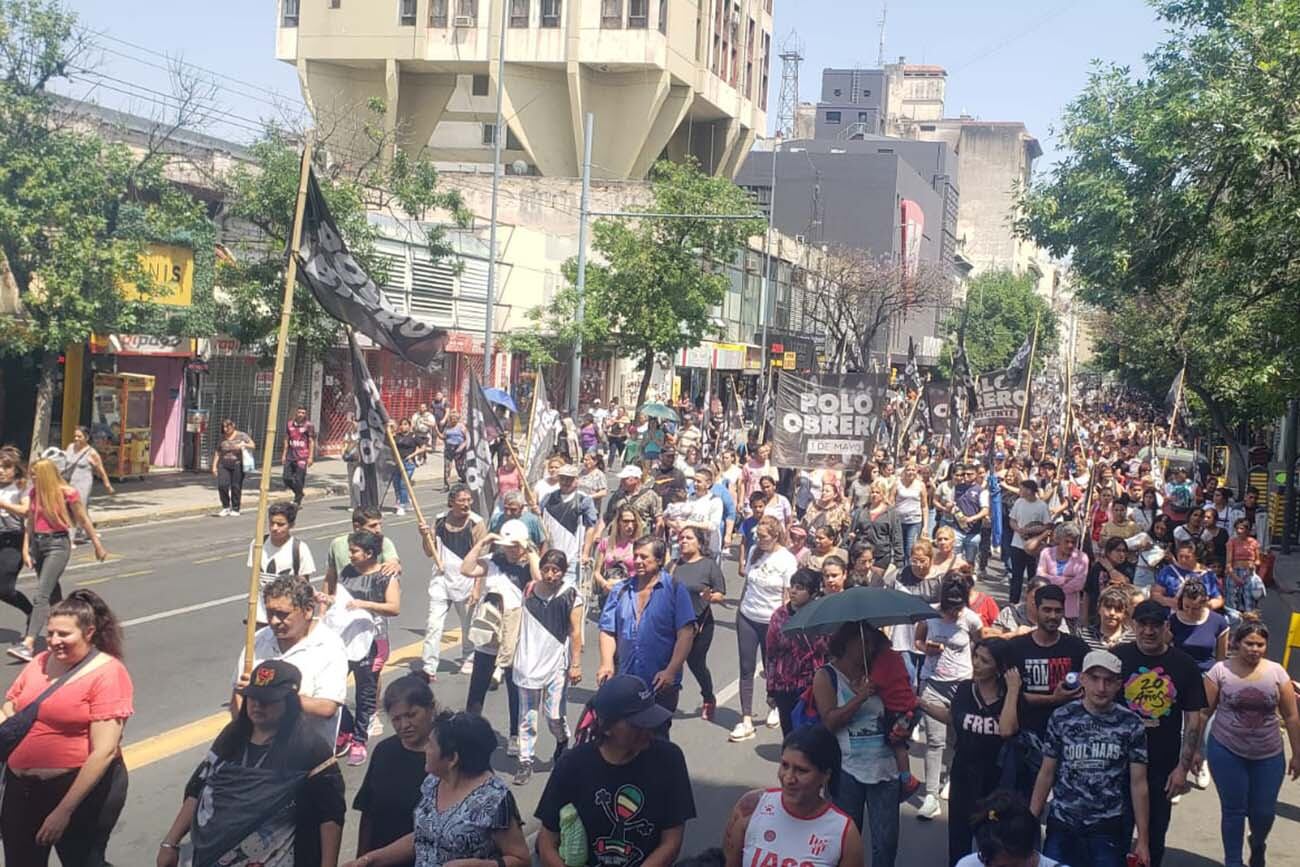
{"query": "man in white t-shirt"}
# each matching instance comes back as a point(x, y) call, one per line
point(315, 650)
point(282, 553)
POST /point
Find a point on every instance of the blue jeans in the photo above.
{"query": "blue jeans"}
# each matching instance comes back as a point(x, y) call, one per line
point(1248, 789)
point(1105, 844)
point(968, 545)
point(399, 484)
point(910, 534)
point(879, 801)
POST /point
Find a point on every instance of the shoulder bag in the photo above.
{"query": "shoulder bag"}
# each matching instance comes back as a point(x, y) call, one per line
point(16, 727)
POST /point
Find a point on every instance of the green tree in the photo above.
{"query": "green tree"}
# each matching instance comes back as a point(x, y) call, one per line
point(76, 211)
point(651, 291)
point(1176, 202)
point(384, 179)
point(1001, 309)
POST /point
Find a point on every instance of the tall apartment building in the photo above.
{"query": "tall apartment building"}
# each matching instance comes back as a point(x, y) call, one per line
point(662, 77)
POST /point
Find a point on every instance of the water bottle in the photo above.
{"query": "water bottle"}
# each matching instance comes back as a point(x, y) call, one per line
point(573, 838)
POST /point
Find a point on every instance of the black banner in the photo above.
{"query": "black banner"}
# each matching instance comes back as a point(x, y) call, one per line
point(829, 421)
point(935, 407)
point(999, 399)
point(349, 295)
point(372, 420)
point(482, 430)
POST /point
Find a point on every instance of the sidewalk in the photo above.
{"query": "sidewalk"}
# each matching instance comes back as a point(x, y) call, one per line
point(180, 494)
point(1282, 600)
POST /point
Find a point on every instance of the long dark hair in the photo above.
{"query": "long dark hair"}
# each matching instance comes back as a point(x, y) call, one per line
point(293, 739)
point(820, 747)
point(90, 611)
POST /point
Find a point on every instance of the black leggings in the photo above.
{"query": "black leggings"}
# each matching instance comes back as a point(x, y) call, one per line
point(751, 641)
point(11, 563)
point(698, 661)
point(1022, 566)
point(230, 485)
point(785, 702)
point(479, 681)
point(28, 802)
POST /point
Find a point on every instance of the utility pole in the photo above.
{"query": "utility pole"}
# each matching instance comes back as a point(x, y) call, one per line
point(584, 204)
point(884, 14)
point(498, 142)
point(766, 291)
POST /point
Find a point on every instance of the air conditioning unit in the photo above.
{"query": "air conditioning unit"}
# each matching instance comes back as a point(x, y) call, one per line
point(463, 21)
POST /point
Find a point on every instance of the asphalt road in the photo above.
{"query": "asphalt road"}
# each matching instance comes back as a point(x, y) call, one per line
point(179, 588)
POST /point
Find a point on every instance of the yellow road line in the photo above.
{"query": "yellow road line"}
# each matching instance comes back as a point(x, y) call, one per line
point(115, 577)
point(146, 752)
point(219, 557)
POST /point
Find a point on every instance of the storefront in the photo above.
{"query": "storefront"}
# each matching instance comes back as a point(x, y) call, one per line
point(161, 358)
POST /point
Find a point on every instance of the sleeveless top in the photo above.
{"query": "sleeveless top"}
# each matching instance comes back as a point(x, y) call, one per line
point(774, 837)
point(864, 754)
point(79, 472)
point(907, 502)
point(453, 546)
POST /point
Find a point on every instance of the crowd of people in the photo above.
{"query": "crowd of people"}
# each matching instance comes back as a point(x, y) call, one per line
point(1128, 664)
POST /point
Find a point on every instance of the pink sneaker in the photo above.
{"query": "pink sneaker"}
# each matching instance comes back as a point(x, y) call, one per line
point(356, 755)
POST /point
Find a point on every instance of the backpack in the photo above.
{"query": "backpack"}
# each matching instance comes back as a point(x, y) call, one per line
point(805, 712)
point(294, 552)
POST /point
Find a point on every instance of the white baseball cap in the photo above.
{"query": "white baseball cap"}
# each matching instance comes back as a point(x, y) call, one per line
point(1103, 659)
point(630, 472)
point(514, 532)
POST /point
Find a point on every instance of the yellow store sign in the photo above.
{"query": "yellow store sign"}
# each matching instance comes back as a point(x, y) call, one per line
point(172, 270)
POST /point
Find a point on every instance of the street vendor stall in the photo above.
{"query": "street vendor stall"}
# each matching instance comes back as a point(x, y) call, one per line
point(120, 426)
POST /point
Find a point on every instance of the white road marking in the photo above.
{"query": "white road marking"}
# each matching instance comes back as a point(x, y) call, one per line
point(198, 606)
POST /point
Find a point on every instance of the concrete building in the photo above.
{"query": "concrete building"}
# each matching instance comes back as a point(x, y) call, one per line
point(868, 195)
point(662, 77)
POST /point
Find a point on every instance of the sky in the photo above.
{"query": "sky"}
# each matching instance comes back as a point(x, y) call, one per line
point(1006, 59)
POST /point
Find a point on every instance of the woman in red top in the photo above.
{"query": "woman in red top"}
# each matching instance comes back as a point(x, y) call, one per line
point(65, 782)
point(55, 507)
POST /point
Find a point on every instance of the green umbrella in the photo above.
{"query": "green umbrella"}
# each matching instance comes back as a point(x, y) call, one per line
point(659, 411)
point(875, 606)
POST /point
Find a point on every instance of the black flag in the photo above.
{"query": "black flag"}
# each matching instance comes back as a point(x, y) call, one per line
point(912, 373)
point(1175, 393)
point(349, 295)
point(372, 420)
point(482, 430)
point(1019, 363)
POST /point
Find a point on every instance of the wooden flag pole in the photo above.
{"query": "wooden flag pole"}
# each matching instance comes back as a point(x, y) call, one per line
point(1029, 374)
point(523, 473)
point(1173, 420)
point(401, 468)
point(273, 411)
point(907, 426)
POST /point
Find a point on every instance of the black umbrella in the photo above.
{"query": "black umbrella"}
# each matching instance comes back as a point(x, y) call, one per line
point(875, 606)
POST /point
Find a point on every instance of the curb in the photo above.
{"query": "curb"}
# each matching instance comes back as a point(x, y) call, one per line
point(111, 521)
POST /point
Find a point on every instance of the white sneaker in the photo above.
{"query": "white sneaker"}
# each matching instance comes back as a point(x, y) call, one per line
point(742, 732)
point(1201, 779)
point(773, 718)
point(467, 665)
point(496, 675)
point(943, 792)
point(234, 513)
point(1175, 799)
point(224, 513)
point(929, 808)
point(400, 511)
point(512, 746)
point(376, 727)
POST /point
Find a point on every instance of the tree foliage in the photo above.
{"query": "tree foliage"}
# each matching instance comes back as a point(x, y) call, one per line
point(1001, 309)
point(853, 295)
point(1177, 200)
point(76, 211)
point(650, 289)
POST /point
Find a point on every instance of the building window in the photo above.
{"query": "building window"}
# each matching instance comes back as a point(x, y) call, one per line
point(289, 14)
point(336, 4)
point(437, 13)
point(638, 14)
point(663, 16)
point(832, 117)
point(490, 137)
point(467, 10)
point(478, 85)
point(551, 12)
point(611, 14)
point(406, 13)
point(518, 13)
point(864, 117)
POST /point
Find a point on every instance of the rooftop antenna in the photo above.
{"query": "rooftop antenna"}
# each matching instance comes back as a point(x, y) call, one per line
point(788, 105)
point(884, 14)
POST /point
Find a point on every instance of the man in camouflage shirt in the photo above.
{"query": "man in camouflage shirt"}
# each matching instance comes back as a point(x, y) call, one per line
point(1095, 768)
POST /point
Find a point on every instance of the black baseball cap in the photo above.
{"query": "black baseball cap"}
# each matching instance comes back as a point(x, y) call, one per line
point(272, 680)
point(626, 697)
point(1149, 610)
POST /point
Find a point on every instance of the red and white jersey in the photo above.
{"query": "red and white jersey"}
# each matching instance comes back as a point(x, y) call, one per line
point(775, 838)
